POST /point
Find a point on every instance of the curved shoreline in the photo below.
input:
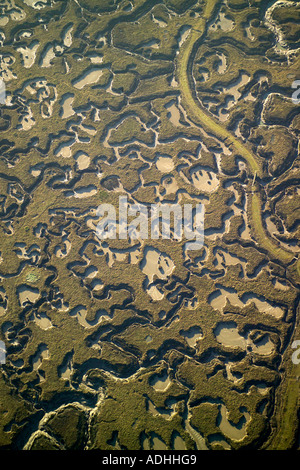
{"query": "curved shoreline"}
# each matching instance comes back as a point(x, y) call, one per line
point(201, 117)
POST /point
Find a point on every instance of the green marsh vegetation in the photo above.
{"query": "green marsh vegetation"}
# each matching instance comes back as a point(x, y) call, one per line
point(148, 100)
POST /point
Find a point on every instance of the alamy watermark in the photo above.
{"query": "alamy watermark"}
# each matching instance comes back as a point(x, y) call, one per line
point(142, 222)
point(296, 94)
point(2, 353)
point(296, 354)
point(2, 92)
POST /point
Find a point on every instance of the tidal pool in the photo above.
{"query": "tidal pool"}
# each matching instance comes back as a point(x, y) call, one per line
point(89, 77)
point(164, 164)
point(228, 335)
point(160, 383)
point(27, 294)
point(234, 432)
point(219, 298)
point(192, 336)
